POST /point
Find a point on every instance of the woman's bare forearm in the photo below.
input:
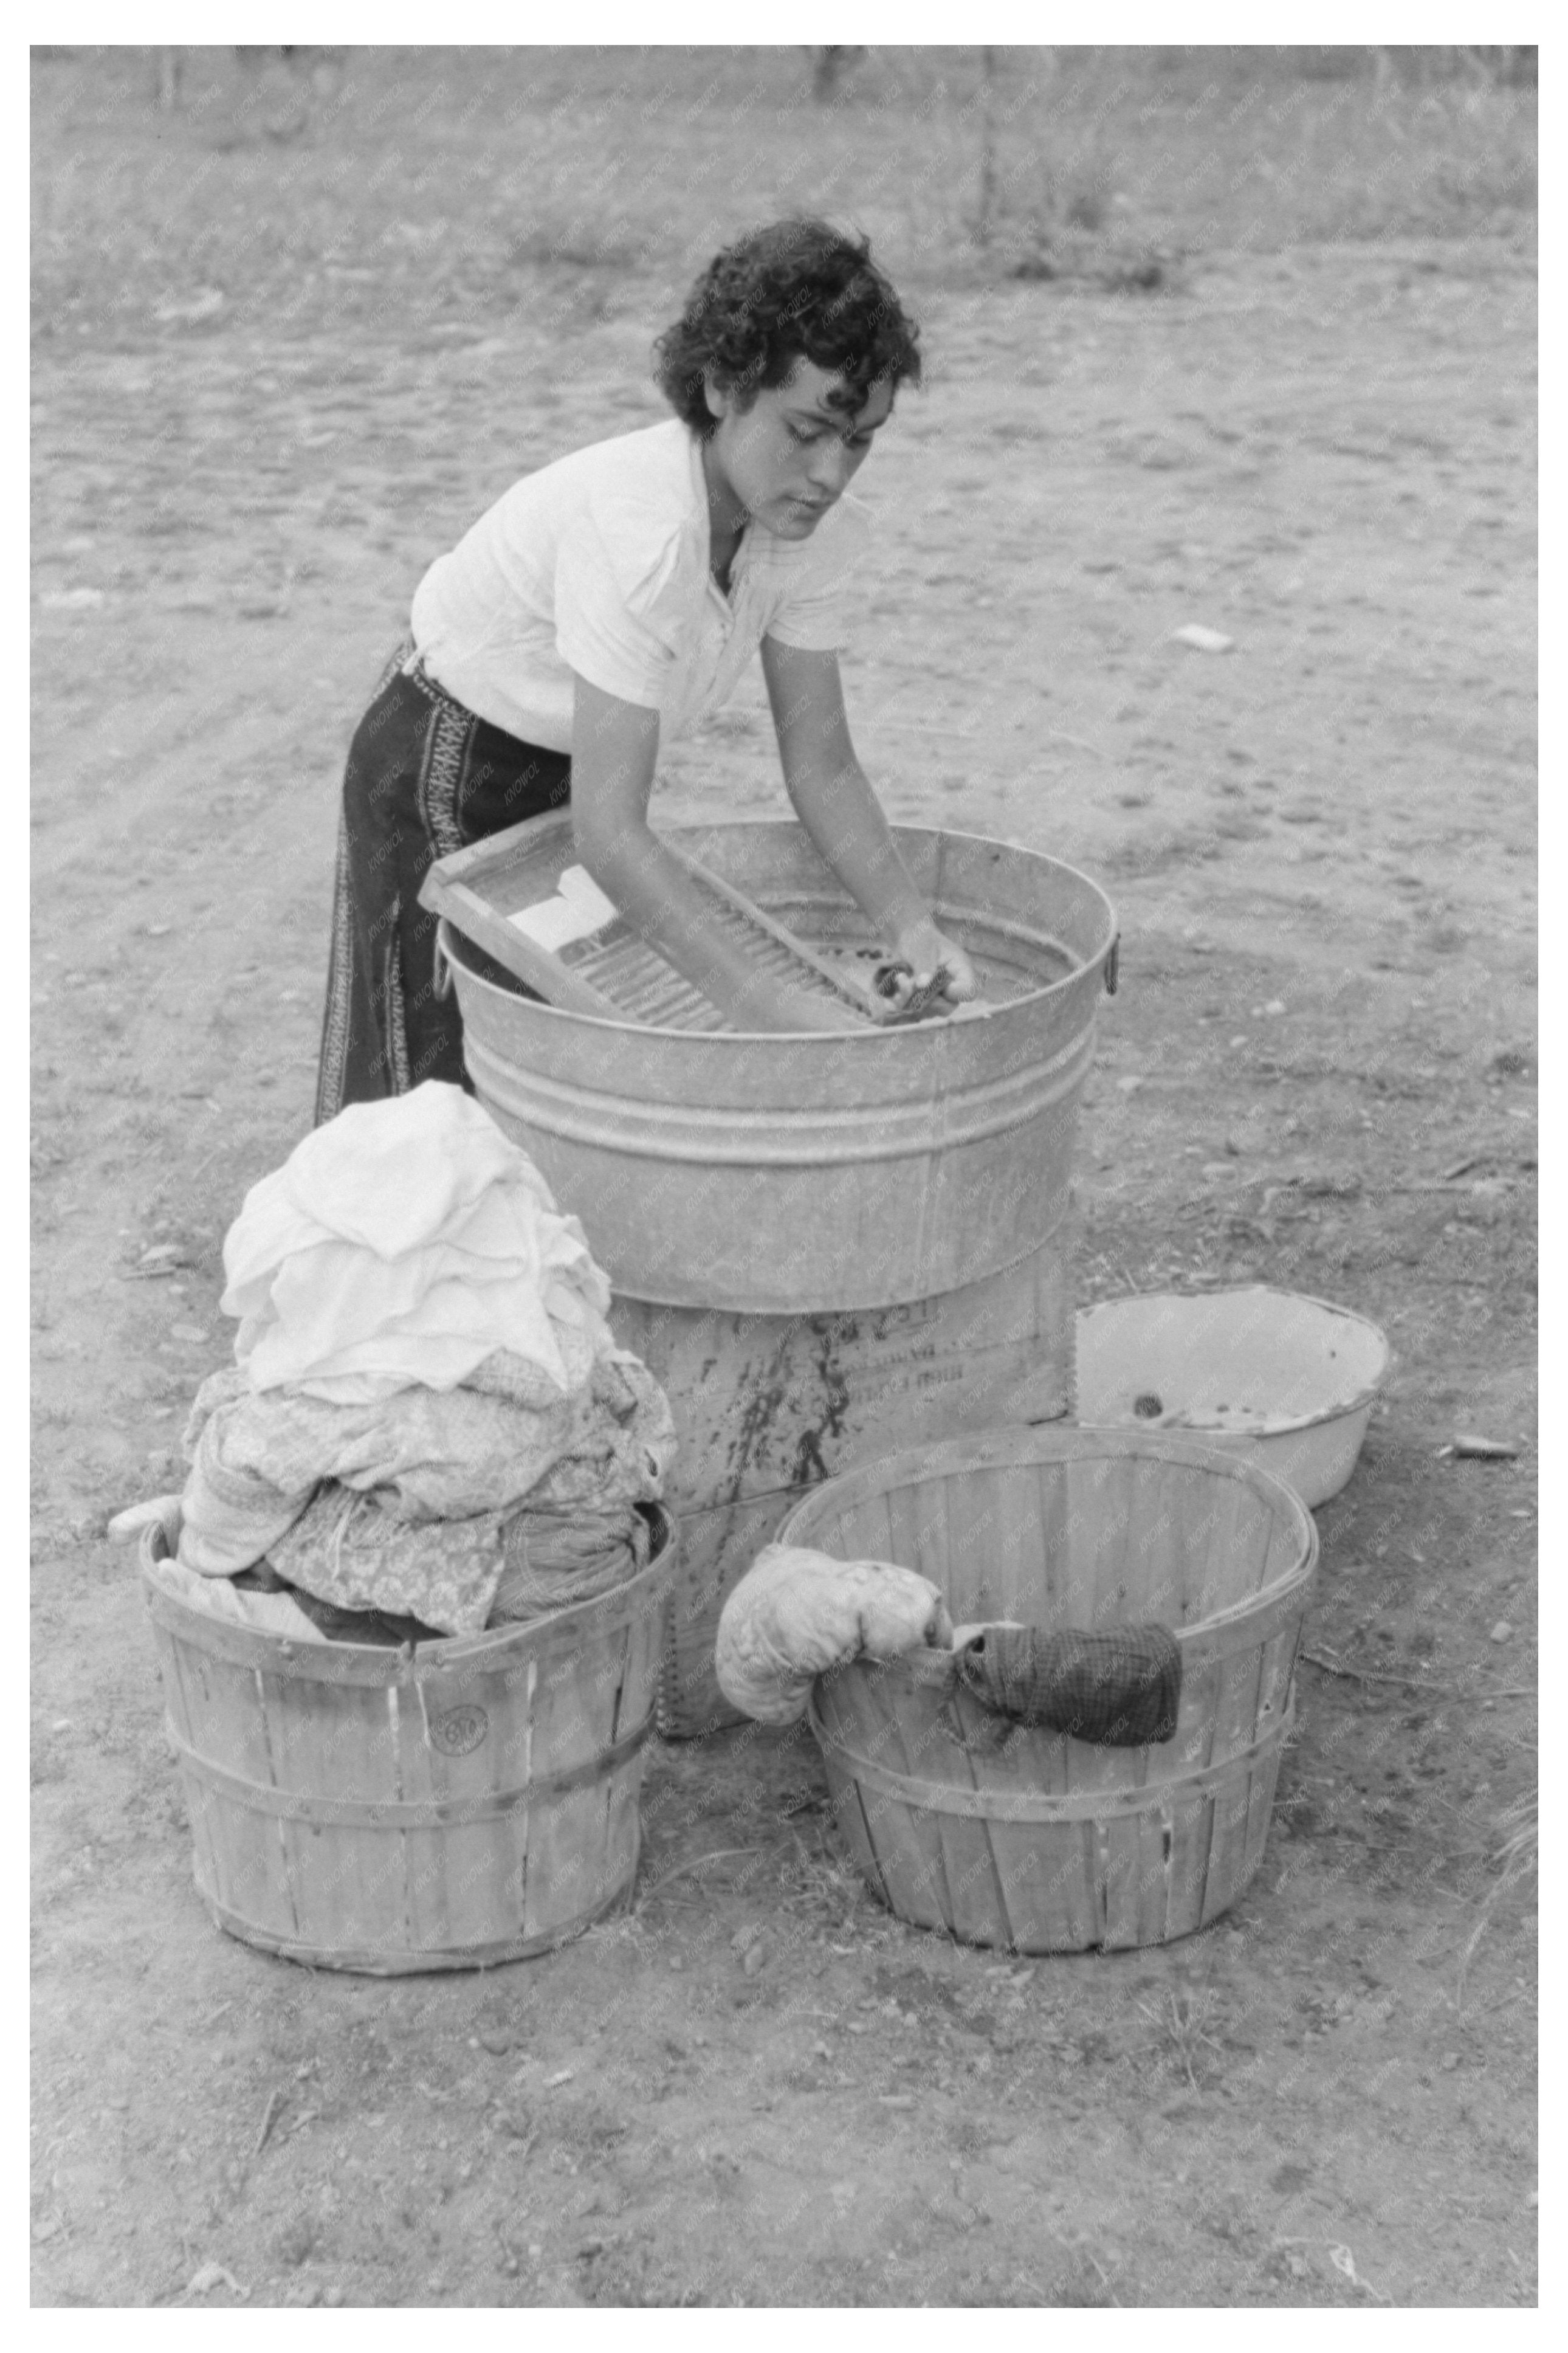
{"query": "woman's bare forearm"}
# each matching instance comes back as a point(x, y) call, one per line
point(833, 798)
point(845, 820)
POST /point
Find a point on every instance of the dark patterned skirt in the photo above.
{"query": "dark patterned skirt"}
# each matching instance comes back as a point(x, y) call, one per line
point(424, 776)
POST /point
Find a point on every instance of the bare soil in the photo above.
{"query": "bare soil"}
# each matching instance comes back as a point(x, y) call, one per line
point(1319, 1072)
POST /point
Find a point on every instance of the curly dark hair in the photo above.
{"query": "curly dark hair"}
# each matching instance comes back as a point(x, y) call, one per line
point(797, 288)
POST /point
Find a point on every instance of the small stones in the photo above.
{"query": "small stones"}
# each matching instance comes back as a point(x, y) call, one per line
point(190, 309)
point(211, 2276)
point(1502, 1631)
point(73, 600)
point(294, 2242)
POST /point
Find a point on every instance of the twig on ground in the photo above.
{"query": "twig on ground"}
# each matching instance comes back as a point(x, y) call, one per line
point(1080, 743)
point(1426, 1184)
point(1104, 2279)
point(720, 1854)
point(274, 2102)
point(1331, 1666)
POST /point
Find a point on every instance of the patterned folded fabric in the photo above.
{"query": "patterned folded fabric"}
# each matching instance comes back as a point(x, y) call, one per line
point(405, 1506)
point(555, 1559)
point(1122, 1689)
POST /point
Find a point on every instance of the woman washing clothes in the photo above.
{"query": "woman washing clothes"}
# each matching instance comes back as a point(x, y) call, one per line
point(601, 607)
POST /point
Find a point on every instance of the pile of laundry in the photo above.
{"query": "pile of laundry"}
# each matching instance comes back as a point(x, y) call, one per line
point(429, 1419)
point(797, 1614)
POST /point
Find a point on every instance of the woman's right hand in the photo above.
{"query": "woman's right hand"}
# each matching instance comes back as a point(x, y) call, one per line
point(929, 952)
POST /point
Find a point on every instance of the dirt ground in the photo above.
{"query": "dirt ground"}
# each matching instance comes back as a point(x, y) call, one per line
point(1319, 1072)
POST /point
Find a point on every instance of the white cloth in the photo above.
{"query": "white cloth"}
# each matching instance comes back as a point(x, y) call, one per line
point(265, 1613)
point(402, 1244)
point(599, 563)
point(796, 1613)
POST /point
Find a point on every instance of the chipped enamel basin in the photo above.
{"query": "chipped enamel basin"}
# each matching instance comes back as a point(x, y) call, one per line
point(1287, 1381)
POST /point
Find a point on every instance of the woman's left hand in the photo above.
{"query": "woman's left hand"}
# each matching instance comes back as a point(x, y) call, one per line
point(927, 952)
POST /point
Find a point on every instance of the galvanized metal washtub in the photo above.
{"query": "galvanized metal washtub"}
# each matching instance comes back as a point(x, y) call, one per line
point(784, 1174)
point(807, 1312)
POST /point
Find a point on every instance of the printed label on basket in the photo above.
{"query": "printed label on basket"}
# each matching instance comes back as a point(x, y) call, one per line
point(458, 1730)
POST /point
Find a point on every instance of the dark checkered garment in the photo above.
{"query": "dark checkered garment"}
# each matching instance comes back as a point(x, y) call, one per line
point(1118, 1690)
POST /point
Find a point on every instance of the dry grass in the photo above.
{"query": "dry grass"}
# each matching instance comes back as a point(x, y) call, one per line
point(450, 182)
point(1182, 2025)
point(1519, 1856)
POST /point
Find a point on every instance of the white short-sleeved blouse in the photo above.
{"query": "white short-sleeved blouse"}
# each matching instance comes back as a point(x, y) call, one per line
point(599, 564)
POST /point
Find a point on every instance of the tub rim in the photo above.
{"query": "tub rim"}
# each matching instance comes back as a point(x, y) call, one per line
point(1003, 1448)
point(1103, 958)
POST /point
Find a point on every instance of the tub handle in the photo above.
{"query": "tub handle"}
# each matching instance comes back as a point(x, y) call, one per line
point(441, 973)
point(1113, 965)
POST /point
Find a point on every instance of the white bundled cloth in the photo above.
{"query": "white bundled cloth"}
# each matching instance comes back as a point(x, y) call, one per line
point(796, 1613)
point(402, 1244)
point(423, 1359)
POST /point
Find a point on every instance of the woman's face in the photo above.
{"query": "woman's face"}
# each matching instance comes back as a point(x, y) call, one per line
point(788, 456)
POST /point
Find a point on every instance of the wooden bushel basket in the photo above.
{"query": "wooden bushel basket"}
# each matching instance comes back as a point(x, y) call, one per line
point(445, 1805)
point(1022, 1838)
